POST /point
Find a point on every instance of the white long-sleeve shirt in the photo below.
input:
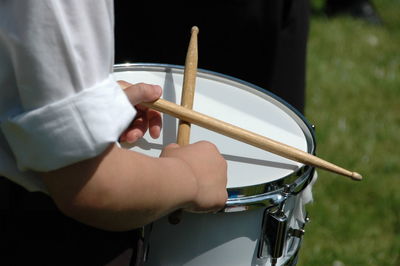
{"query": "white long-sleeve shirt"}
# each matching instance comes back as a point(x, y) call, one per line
point(59, 103)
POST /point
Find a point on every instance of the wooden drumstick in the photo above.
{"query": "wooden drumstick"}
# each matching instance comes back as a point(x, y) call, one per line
point(189, 83)
point(248, 137)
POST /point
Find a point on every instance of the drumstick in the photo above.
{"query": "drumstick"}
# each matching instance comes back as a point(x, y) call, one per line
point(248, 137)
point(189, 83)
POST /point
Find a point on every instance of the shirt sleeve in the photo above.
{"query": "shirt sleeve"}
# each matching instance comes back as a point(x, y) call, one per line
point(70, 107)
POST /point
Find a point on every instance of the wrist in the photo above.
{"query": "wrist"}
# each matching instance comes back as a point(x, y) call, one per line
point(185, 184)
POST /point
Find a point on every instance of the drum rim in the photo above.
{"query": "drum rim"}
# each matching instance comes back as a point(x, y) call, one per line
point(268, 194)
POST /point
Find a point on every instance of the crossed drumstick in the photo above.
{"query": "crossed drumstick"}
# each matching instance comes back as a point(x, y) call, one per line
point(186, 116)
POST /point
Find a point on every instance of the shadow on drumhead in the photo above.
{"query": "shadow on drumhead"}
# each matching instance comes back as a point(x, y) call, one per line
point(170, 123)
point(145, 145)
point(260, 162)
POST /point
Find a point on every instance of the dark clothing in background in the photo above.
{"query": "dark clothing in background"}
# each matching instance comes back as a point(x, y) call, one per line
point(261, 42)
point(34, 232)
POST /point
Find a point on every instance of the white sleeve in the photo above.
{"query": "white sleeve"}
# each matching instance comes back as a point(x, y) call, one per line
point(70, 106)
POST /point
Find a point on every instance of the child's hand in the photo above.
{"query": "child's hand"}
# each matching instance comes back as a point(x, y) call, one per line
point(145, 118)
point(210, 171)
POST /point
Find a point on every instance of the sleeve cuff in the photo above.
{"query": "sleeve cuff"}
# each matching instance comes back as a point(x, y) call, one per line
point(70, 130)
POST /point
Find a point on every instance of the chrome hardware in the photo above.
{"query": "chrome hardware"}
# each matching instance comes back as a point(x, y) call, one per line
point(307, 219)
point(268, 195)
point(273, 235)
point(296, 232)
point(275, 232)
point(299, 232)
point(266, 200)
point(143, 250)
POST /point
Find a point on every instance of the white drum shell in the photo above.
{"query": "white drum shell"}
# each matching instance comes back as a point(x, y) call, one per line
point(217, 239)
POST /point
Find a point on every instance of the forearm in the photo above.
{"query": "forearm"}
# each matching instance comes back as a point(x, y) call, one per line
point(122, 189)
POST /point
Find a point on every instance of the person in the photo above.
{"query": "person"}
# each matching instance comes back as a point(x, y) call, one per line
point(261, 42)
point(73, 196)
point(361, 9)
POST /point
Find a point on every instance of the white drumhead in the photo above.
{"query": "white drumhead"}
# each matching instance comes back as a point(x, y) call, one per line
point(233, 101)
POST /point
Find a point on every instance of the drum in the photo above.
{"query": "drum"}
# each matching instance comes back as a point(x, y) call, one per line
point(264, 218)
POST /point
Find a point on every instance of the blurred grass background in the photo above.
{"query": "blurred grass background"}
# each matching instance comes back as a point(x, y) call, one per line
point(353, 99)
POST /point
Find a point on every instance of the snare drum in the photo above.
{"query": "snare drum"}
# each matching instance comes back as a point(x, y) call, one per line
point(263, 220)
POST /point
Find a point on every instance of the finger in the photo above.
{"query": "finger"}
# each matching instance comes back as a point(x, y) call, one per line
point(172, 146)
point(138, 128)
point(155, 123)
point(141, 108)
point(167, 149)
point(142, 92)
point(133, 135)
point(122, 138)
point(123, 84)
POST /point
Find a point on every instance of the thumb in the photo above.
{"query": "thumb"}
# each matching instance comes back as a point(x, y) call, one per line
point(172, 146)
point(142, 92)
point(123, 84)
point(168, 149)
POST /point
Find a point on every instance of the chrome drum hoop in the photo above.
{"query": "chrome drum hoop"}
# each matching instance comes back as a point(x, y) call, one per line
point(279, 191)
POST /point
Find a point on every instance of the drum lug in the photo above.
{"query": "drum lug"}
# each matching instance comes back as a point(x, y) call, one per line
point(296, 232)
point(273, 235)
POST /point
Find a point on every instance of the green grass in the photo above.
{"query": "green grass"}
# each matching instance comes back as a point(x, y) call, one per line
point(353, 98)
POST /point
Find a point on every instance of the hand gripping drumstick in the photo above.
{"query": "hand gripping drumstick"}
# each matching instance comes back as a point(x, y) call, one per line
point(189, 83)
point(248, 137)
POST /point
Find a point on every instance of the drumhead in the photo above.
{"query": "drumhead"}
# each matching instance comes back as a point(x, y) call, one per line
point(234, 101)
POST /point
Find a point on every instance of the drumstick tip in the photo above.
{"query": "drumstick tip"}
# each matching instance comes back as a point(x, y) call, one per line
point(356, 176)
point(195, 29)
